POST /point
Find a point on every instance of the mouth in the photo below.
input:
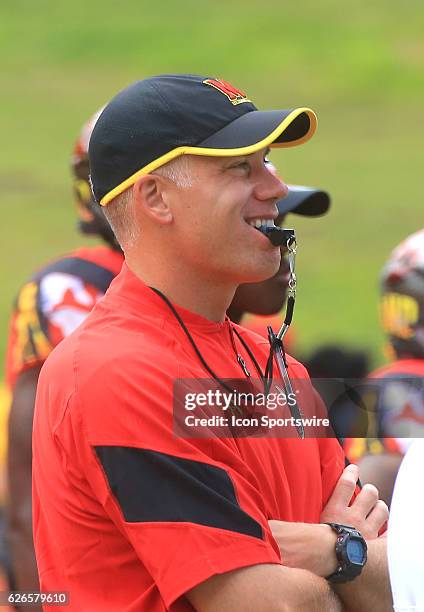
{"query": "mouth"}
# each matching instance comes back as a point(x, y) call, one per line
point(260, 222)
point(276, 235)
point(266, 227)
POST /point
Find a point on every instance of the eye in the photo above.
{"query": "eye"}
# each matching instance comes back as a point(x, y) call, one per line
point(244, 166)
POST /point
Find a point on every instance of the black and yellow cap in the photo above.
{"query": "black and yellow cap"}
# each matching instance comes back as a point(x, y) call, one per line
point(160, 118)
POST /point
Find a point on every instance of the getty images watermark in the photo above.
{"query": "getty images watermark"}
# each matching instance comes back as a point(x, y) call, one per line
point(331, 407)
point(241, 409)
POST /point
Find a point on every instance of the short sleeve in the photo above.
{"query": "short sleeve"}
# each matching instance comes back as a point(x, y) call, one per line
point(187, 506)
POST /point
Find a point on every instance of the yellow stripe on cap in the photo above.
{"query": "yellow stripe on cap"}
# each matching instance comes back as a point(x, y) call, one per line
point(188, 150)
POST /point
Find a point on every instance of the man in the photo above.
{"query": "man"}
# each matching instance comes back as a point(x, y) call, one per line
point(397, 414)
point(179, 162)
point(48, 307)
point(67, 289)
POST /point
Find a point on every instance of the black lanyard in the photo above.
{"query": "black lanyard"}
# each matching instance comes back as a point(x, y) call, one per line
point(199, 354)
point(276, 349)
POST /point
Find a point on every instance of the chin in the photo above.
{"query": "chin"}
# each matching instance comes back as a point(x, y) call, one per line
point(253, 270)
point(258, 276)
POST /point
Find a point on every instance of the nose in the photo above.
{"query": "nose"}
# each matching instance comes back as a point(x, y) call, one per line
point(271, 187)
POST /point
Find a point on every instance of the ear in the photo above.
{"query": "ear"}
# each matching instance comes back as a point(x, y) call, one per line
point(150, 200)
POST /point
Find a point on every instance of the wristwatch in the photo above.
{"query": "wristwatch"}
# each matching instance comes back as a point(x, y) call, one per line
point(351, 553)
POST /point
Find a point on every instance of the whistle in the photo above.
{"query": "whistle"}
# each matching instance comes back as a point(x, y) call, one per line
point(278, 236)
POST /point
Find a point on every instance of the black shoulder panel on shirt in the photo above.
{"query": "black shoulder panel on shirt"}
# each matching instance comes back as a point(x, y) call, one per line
point(155, 487)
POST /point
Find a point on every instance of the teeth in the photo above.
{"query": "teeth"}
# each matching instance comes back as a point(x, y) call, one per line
point(259, 222)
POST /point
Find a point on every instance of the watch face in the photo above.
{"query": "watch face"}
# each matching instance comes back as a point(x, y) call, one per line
point(355, 551)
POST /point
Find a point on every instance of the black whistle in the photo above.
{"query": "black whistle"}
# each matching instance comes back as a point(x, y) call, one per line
point(278, 236)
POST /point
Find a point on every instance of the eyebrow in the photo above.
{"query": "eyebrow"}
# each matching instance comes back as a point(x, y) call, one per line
point(226, 161)
point(266, 153)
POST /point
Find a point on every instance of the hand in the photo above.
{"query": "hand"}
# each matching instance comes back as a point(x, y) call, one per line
point(306, 546)
point(367, 513)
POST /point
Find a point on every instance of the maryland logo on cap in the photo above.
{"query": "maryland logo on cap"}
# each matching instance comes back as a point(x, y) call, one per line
point(234, 95)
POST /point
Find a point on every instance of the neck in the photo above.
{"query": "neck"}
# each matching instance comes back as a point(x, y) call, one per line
point(201, 295)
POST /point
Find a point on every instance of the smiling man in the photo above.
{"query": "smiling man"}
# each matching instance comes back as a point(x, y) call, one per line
point(128, 516)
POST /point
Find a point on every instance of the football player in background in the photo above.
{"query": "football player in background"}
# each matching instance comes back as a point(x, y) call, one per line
point(49, 306)
point(396, 391)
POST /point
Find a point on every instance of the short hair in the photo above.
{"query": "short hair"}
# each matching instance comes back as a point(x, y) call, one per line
point(120, 211)
point(120, 215)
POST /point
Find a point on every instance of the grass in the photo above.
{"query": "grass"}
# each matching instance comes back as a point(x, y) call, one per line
point(359, 66)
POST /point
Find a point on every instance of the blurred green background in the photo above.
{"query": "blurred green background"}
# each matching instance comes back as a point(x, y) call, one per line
point(359, 65)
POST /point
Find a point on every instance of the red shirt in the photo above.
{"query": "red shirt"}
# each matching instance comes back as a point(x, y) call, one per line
point(129, 517)
point(54, 302)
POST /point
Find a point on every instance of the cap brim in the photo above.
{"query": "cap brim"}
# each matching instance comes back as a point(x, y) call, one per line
point(306, 201)
point(245, 135)
point(259, 129)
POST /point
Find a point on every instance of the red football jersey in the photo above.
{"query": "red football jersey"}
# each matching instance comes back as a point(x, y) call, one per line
point(127, 516)
point(399, 414)
point(54, 302)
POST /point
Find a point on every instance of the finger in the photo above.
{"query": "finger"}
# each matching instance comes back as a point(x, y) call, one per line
point(365, 500)
point(376, 519)
point(345, 487)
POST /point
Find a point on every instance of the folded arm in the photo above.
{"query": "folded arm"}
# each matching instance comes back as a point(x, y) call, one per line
point(264, 588)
